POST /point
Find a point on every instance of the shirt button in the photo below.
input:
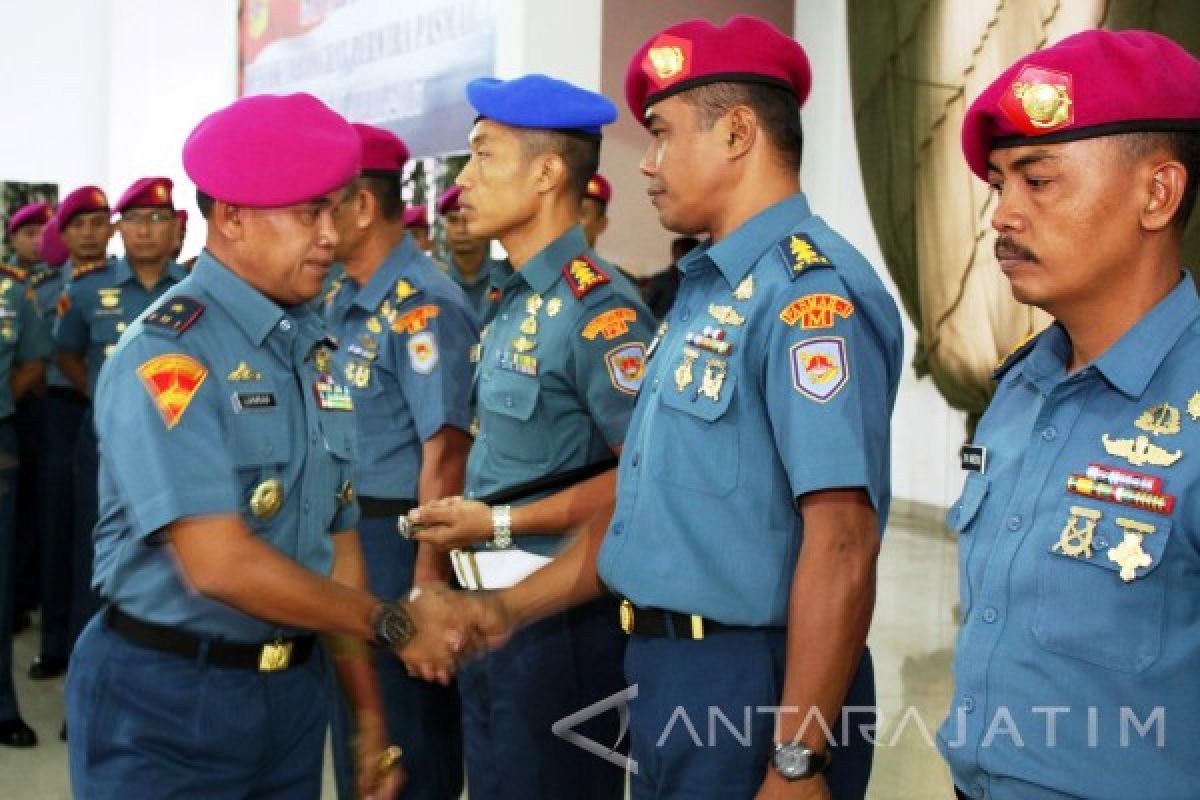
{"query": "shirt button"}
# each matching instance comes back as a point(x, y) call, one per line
point(968, 704)
point(1101, 543)
point(637, 457)
point(284, 325)
point(1049, 433)
point(618, 528)
point(508, 402)
point(307, 506)
point(990, 615)
point(1014, 522)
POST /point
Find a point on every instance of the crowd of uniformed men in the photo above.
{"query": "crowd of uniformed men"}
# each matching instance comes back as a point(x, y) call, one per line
point(314, 428)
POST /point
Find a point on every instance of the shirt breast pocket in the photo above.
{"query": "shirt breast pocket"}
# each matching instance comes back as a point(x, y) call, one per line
point(509, 401)
point(261, 447)
point(699, 446)
point(1101, 594)
point(959, 519)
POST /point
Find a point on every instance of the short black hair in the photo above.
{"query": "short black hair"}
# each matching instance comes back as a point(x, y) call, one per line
point(386, 188)
point(580, 153)
point(1184, 147)
point(777, 110)
point(205, 203)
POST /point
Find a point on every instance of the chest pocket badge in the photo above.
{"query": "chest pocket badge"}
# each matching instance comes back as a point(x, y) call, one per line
point(267, 499)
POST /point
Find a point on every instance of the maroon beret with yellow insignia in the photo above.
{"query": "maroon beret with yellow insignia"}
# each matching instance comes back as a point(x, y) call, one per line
point(598, 188)
point(382, 150)
point(697, 52)
point(1094, 83)
point(416, 217)
point(146, 193)
point(30, 214)
point(81, 201)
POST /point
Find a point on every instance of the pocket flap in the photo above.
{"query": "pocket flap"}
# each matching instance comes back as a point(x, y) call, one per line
point(510, 394)
point(963, 512)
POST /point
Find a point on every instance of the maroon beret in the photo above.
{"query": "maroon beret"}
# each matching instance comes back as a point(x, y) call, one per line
point(697, 52)
point(415, 217)
point(1094, 83)
point(599, 188)
point(183, 216)
point(146, 193)
point(30, 214)
point(52, 249)
point(449, 200)
point(382, 150)
point(269, 151)
point(80, 201)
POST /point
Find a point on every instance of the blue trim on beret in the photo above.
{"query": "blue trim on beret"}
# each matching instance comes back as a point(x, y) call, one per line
point(539, 101)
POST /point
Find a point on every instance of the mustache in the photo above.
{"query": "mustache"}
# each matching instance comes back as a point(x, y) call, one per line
point(1007, 248)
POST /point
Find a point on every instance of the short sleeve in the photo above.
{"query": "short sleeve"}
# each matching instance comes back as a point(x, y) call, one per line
point(434, 368)
point(826, 389)
point(158, 416)
point(35, 342)
point(609, 359)
point(70, 328)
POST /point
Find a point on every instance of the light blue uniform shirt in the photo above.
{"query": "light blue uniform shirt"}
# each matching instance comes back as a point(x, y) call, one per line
point(560, 365)
point(101, 305)
point(23, 338)
point(1051, 626)
point(405, 340)
point(723, 443)
point(263, 410)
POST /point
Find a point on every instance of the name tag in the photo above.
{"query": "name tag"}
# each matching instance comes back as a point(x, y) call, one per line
point(253, 401)
point(973, 458)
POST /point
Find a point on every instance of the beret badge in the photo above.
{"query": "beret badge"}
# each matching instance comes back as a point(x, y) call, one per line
point(668, 60)
point(1040, 101)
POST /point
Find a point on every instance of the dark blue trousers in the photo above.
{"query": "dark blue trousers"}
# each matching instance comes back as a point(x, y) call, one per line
point(65, 410)
point(8, 484)
point(149, 724)
point(701, 723)
point(84, 600)
point(31, 435)
point(512, 698)
point(423, 718)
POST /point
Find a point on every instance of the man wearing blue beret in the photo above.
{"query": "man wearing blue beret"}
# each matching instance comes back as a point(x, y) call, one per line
point(560, 363)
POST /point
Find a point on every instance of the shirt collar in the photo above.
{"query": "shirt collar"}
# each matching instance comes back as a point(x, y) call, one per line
point(1130, 363)
point(485, 270)
point(543, 270)
point(123, 272)
point(251, 310)
point(370, 296)
point(736, 254)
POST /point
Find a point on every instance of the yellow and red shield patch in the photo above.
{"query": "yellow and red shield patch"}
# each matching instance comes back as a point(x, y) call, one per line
point(172, 381)
point(610, 324)
point(416, 320)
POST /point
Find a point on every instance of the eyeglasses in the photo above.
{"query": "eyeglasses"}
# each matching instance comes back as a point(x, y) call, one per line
point(147, 217)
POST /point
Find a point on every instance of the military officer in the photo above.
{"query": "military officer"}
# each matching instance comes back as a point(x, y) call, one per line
point(1079, 523)
point(227, 532)
point(24, 346)
point(560, 363)
point(469, 265)
point(754, 481)
point(98, 304)
point(405, 335)
point(25, 233)
point(416, 221)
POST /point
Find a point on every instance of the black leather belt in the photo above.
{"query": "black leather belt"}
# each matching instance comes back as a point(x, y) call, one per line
point(384, 506)
point(263, 657)
point(666, 624)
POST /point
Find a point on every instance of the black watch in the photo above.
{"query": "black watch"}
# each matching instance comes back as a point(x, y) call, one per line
point(392, 625)
point(795, 761)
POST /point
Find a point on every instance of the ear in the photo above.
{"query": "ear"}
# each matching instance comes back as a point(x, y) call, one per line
point(550, 172)
point(741, 131)
point(1167, 183)
point(603, 225)
point(365, 207)
point(227, 219)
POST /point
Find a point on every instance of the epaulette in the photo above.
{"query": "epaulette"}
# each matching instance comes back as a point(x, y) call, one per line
point(41, 277)
point(88, 269)
point(801, 254)
point(1019, 351)
point(174, 315)
point(16, 273)
point(583, 277)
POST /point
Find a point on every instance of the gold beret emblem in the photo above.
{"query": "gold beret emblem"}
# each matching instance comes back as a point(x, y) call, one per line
point(667, 61)
point(1047, 105)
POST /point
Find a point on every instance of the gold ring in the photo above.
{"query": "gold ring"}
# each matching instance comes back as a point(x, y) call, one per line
point(389, 759)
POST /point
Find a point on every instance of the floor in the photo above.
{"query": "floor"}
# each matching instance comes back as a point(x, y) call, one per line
point(912, 640)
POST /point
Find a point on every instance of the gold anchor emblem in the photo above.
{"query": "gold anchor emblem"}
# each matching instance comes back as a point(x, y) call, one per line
point(1161, 420)
point(1129, 553)
point(1140, 451)
point(713, 380)
point(1194, 407)
point(683, 372)
point(1076, 537)
point(1045, 104)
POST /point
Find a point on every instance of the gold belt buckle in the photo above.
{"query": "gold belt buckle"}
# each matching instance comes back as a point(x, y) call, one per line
point(627, 616)
point(275, 656)
point(697, 627)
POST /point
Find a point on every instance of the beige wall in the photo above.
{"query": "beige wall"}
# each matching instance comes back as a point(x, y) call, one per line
point(634, 239)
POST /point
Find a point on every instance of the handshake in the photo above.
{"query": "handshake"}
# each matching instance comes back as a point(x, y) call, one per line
point(437, 629)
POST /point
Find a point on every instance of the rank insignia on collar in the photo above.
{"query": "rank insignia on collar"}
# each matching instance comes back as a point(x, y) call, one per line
point(475, 353)
point(610, 324)
point(820, 367)
point(404, 290)
point(801, 253)
point(817, 311)
point(726, 315)
point(1139, 451)
point(172, 380)
point(745, 289)
point(243, 373)
point(1129, 554)
point(626, 366)
point(583, 276)
point(1160, 420)
point(1193, 407)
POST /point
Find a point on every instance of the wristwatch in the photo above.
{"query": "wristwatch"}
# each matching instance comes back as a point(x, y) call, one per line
point(501, 528)
point(392, 625)
point(795, 761)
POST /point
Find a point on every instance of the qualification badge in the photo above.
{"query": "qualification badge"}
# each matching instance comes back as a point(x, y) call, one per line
point(553, 307)
point(683, 372)
point(1160, 420)
point(1129, 554)
point(1194, 407)
point(745, 289)
point(267, 499)
point(1076, 537)
point(713, 379)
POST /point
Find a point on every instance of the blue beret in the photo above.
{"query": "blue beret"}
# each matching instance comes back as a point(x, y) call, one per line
point(539, 101)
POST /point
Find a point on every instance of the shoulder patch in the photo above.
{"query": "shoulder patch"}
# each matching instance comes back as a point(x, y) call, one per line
point(800, 253)
point(416, 320)
point(583, 276)
point(172, 380)
point(175, 315)
point(820, 367)
point(816, 310)
point(610, 324)
point(88, 269)
point(1019, 351)
point(627, 366)
point(14, 272)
